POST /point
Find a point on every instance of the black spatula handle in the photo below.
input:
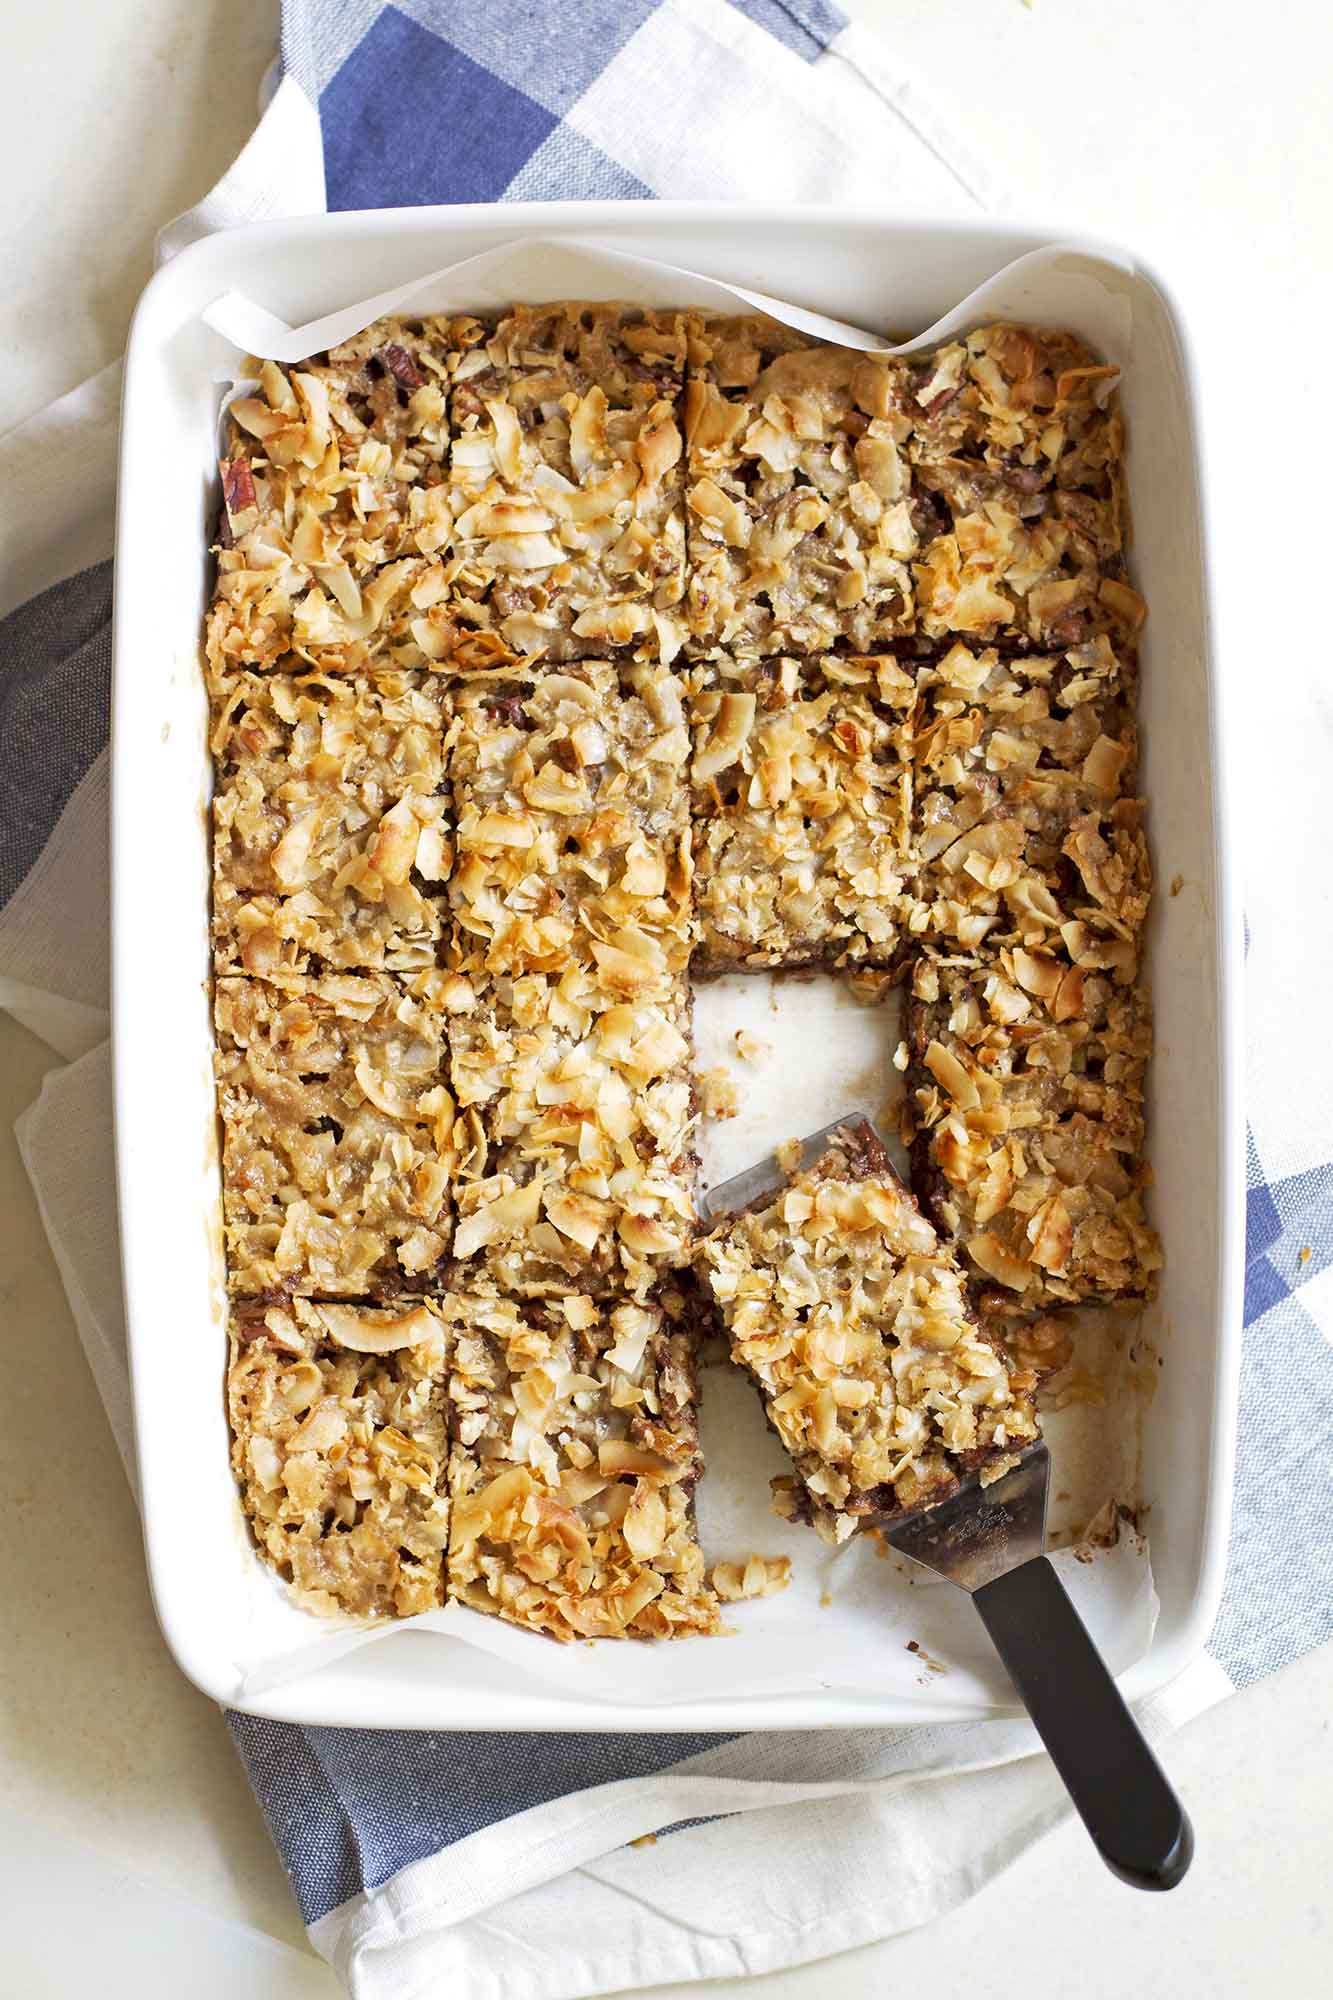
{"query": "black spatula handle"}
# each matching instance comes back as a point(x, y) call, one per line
point(1139, 1825)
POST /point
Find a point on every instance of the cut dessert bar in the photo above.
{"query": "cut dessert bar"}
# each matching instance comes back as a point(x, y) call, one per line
point(331, 829)
point(586, 1108)
point(1023, 818)
point(573, 825)
point(1074, 891)
point(395, 617)
point(338, 1136)
point(851, 1317)
point(339, 1420)
point(565, 481)
point(573, 1468)
point(1027, 1087)
point(1016, 442)
point(800, 522)
point(839, 497)
point(333, 469)
point(802, 809)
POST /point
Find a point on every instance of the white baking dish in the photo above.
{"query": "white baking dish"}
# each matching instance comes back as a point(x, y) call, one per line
point(873, 270)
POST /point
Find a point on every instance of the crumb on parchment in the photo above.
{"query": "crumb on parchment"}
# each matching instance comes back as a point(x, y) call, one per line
point(718, 1094)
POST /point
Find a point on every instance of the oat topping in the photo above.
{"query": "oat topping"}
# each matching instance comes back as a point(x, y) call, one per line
point(554, 659)
point(802, 811)
point(339, 1444)
point(573, 826)
point(851, 1317)
point(331, 829)
point(573, 1468)
point(338, 1136)
point(565, 481)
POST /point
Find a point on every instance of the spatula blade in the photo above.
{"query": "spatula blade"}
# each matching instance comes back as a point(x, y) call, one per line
point(982, 1532)
point(756, 1183)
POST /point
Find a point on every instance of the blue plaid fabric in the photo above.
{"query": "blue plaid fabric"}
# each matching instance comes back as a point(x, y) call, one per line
point(478, 100)
point(349, 1807)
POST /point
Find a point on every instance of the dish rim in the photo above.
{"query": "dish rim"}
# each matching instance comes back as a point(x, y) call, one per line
point(330, 1696)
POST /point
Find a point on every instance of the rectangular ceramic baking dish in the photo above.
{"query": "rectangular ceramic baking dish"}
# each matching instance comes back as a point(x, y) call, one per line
point(875, 270)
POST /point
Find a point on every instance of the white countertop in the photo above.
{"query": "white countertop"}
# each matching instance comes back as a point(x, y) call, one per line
point(128, 1835)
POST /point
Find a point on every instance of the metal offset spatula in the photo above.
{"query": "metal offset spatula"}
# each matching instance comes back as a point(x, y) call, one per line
point(989, 1541)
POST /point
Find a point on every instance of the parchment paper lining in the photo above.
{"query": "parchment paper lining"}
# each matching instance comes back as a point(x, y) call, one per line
point(853, 1618)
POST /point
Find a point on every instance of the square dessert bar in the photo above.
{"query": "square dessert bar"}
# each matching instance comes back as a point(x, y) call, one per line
point(331, 823)
point(586, 1110)
point(1075, 891)
point(1016, 442)
point(1027, 1086)
point(836, 497)
point(800, 523)
point(340, 459)
point(573, 825)
point(339, 1420)
point(802, 811)
point(332, 469)
point(1024, 821)
point(573, 1468)
point(338, 1136)
point(851, 1317)
point(565, 481)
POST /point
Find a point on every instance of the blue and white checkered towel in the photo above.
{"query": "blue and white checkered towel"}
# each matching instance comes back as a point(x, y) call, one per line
point(501, 1863)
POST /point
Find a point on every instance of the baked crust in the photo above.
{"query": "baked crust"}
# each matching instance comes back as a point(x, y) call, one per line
point(340, 1448)
point(338, 1136)
point(852, 1319)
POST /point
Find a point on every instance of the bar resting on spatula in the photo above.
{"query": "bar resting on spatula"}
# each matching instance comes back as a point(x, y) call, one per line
point(852, 1319)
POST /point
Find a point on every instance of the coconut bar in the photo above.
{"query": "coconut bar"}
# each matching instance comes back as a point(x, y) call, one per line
point(332, 469)
point(1026, 1086)
point(338, 1146)
point(573, 826)
point(573, 1468)
point(339, 1418)
point(801, 534)
point(1015, 445)
point(851, 1317)
point(836, 497)
point(586, 1111)
point(565, 481)
point(331, 829)
point(801, 801)
point(1024, 819)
